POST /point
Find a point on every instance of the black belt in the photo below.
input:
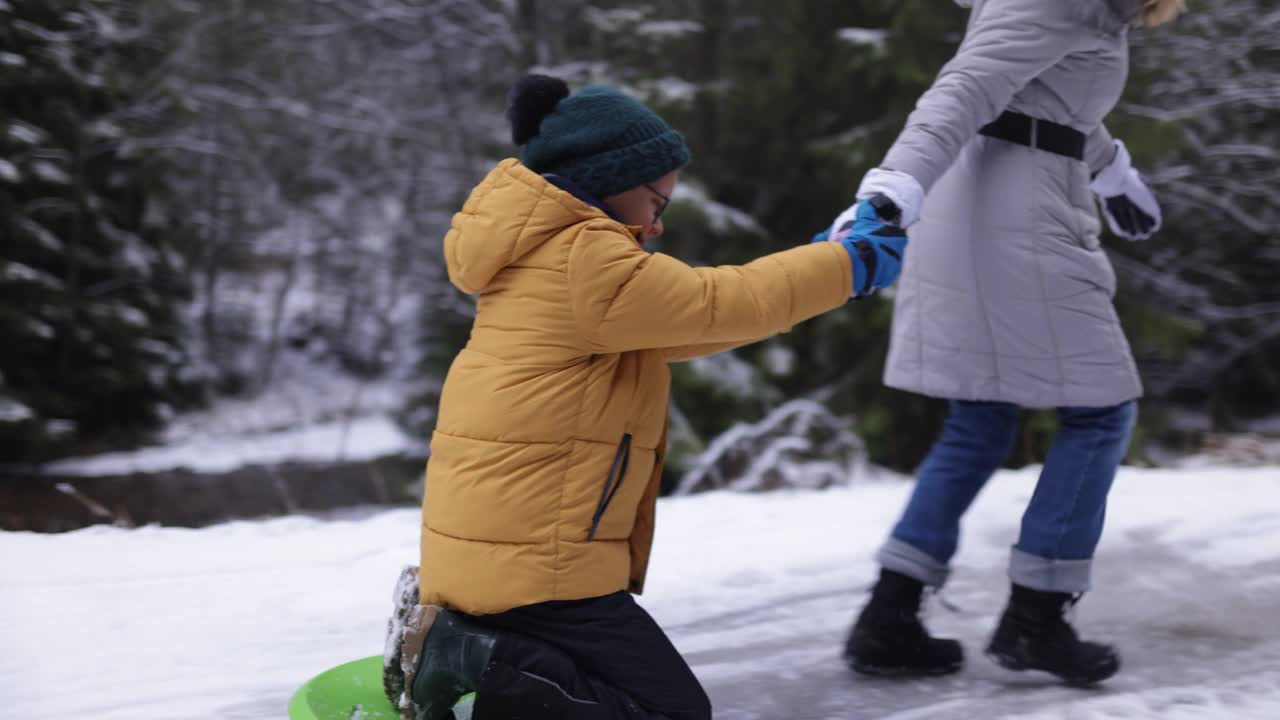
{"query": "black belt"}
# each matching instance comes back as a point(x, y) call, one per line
point(1041, 134)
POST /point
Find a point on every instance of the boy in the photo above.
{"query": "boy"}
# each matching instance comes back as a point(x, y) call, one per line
point(540, 494)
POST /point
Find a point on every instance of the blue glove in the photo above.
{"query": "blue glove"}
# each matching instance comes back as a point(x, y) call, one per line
point(874, 247)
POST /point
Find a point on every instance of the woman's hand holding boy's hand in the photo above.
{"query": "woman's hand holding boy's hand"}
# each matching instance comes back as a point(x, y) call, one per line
point(875, 248)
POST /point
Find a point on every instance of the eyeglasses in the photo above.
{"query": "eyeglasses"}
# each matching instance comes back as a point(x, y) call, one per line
point(665, 201)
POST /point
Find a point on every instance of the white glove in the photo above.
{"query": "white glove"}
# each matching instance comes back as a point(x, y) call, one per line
point(1130, 206)
point(901, 188)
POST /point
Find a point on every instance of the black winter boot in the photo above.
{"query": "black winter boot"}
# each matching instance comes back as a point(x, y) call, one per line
point(444, 655)
point(889, 638)
point(1034, 634)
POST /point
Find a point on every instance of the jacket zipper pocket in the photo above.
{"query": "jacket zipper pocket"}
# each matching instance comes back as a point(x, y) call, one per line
point(617, 472)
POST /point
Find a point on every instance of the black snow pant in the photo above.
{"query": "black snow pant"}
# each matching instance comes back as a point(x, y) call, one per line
point(595, 659)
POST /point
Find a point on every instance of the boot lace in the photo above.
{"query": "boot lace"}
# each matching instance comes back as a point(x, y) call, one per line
point(1069, 608)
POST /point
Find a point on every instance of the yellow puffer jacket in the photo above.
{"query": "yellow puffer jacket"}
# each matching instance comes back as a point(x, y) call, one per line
point(545, 463)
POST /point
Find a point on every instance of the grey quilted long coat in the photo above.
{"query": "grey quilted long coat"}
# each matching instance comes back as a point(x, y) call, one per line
point(1006, 293)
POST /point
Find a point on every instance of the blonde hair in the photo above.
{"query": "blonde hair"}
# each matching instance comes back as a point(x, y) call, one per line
point(1159, 12)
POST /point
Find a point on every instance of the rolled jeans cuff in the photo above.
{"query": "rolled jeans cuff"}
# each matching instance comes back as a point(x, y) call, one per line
point(1047, 575)
point(909, 560)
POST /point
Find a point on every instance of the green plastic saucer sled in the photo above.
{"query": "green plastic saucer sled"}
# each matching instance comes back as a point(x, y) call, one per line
point(353, 691)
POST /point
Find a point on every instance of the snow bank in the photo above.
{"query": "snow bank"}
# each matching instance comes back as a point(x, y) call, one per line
point(364, 438)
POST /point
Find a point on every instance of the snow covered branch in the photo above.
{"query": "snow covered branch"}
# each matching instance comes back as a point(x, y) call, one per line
point(798, 445)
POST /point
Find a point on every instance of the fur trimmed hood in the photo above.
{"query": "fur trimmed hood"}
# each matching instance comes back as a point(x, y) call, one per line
point(1110, 16)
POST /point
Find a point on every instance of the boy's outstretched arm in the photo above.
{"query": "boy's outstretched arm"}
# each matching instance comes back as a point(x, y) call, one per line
point(625, 298)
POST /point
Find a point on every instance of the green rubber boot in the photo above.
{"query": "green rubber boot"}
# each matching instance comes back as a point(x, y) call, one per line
point(444, 656)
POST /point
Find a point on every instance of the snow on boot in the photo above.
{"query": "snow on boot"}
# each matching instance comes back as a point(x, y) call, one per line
point(444, 656)
point(889, 639)
point(1034, 634)
point(404, 598)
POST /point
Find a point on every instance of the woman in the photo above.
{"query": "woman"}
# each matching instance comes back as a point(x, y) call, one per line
point(1006, 304)
point(545, 465)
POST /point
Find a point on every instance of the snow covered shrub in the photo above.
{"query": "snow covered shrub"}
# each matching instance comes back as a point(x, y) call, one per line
point(800, 444)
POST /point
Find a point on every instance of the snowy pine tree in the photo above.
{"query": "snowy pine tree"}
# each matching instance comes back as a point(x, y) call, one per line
point(86, 285)
point(1202, 294)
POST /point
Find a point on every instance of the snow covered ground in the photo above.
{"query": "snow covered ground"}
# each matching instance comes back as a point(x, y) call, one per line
point(758, 590)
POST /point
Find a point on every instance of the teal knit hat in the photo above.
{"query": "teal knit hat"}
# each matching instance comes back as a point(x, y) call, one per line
point(600, 139)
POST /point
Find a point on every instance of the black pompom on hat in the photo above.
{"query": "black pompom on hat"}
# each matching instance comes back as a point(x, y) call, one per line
point(532, 99)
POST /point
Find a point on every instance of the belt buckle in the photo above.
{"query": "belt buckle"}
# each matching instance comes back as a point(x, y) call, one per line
point(1035, 133)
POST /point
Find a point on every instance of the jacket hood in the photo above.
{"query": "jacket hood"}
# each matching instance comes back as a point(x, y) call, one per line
point(1123, 13)
point(509, 214)
point(1111, 16)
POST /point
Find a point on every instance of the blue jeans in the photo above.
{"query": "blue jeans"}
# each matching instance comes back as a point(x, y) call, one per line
point(1062, 523)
